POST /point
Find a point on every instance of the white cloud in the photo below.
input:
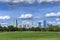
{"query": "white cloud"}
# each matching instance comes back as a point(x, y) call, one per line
point(37, 17)
point(53, 14)
point(29, 1)
point(26, 16)
point(27, 22)
point(40, 21)
point(5, 0)
point(50, 15)
point(51, 22)
point(57, 19)
point(40, 1)
point(3, 23)
point(19, 1)
point(4, 17)
point(58, 14)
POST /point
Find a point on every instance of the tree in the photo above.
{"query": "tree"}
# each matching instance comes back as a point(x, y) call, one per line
point(5, 29)
point(37, 29)
point(53, 28)
point(32, 29)
point(1, 28)
point(11, 28)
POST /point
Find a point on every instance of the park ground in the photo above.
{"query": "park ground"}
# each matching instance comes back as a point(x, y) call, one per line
point(29, 35)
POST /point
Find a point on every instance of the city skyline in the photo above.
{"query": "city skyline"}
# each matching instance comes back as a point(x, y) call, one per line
point(32, 10)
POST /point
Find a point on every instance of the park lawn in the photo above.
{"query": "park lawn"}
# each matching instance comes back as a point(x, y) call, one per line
point(29, 35)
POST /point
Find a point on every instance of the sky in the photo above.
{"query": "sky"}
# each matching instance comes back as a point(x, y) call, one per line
point(31, 10)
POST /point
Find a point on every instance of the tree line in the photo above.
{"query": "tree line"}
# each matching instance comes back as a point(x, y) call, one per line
point(12, 28)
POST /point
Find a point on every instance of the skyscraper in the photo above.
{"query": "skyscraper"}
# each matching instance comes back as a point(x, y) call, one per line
point(24, 26)
point(27, 23)
point(45, 24)
point(49, 25)
point(20, 26)
point(30, 24)
point(39, 24)
point(15, 23)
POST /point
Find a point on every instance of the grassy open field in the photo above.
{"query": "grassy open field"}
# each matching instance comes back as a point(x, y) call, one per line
point(29, 35)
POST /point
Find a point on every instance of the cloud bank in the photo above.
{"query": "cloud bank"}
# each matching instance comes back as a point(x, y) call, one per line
point(23, 16)
point(4, 17)
point(29, 1)
point(53, 14)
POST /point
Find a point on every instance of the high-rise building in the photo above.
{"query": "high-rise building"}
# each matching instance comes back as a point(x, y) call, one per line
point(24, 26)
point(15, 23)
point(45, 24)
point(30, 24)
point(49, 25)
point(39, 24)
point(27, 23)
point(20, 26)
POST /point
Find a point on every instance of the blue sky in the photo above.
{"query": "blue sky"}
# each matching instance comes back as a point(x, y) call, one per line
point(36, 12)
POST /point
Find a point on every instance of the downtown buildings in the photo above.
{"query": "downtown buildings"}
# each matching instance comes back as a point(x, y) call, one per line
point(29, 24)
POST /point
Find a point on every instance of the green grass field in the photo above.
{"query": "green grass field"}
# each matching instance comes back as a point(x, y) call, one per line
point(29, 35)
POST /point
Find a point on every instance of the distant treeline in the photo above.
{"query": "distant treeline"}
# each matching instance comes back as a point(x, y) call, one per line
point(12, 28)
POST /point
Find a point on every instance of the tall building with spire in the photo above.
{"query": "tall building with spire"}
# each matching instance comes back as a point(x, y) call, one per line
point(15, 23)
